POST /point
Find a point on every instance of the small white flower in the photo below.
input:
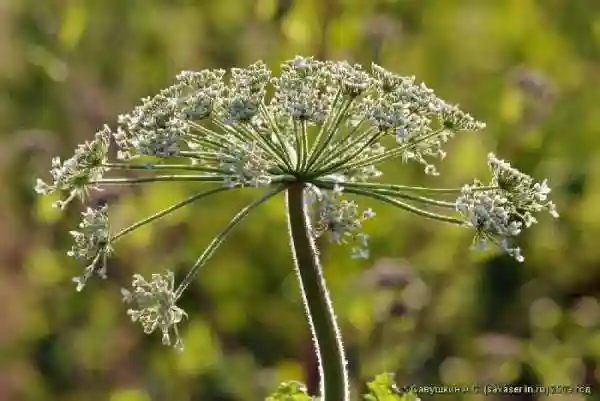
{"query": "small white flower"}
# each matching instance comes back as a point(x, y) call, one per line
point(541, 190)
point(368, 214)
point(360, 253)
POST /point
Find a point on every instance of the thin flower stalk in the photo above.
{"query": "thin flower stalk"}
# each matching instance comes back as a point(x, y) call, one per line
point(220, 238)
point(149, 166)
point(192, 199)
point(409, 188)
point(158, 178)
point(402, 205)
point(393, 193)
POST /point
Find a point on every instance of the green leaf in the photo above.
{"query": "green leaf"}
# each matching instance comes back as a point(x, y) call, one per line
point(290, 391)
point(383, 388)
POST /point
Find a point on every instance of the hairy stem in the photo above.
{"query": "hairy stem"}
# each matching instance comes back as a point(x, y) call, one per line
point(319, 308)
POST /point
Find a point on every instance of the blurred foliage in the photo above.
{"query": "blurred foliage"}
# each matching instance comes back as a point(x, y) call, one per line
point(383, 388)
point(436, 313)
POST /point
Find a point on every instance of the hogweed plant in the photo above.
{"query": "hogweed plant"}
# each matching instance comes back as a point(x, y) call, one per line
point(318, 131)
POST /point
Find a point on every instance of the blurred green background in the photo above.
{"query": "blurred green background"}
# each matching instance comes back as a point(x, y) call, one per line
point(425, 307)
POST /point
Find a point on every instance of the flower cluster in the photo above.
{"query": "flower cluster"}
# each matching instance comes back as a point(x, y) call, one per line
point(340, 218)
point(527, 195)
point(201, 92)
point(420, 121)
point(246, 164)
point(154, 306)
point(80, 172)
point(153, 128)
point(500, 210)
point(302, 92)
point(245, 93)
point(92, 244)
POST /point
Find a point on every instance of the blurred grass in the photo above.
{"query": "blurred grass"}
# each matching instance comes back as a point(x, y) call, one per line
point(530, 69)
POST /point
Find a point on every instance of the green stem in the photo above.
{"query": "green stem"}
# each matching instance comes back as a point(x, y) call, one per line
point(305, 147)
point(209, 135)
point(266, 144)
point(421, 199)
point(329, 129)
point(156, 178)
point(394, 187)
point(201, 155)
point(342, 146)
point(286, 155)
point(166, 211)
point(150, 167)
point(319, 308)
point(394, 193)
point(356, 143)
point(299, 148)
point(218, 240)
point(392, 153)
point(409, 208)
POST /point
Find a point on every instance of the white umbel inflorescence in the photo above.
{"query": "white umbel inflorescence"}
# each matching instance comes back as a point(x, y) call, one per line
point(325, 125)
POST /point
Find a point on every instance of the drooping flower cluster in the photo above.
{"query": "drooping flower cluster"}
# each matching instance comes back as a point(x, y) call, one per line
point(500, 210)
point(154, 306)
point(92, 243)
point(339, 217)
